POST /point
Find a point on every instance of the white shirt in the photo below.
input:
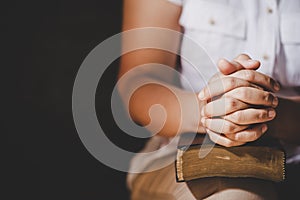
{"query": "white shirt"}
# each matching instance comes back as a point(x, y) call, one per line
point(264, 29)
point(267, 30)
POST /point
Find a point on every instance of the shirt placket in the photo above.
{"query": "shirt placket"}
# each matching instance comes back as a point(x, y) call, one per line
point(269, 35)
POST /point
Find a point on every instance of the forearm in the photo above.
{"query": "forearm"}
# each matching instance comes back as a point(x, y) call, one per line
point(167, 108)
point(286, 124)
point(164, 16)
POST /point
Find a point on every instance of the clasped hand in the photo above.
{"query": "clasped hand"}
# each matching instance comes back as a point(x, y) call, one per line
point(239, 102)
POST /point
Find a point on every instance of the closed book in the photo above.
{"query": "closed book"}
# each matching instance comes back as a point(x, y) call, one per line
point(198, 157)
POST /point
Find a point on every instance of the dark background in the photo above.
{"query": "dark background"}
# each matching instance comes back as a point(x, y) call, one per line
point(45, 43)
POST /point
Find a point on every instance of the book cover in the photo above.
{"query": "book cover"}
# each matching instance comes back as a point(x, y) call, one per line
point(198, 157)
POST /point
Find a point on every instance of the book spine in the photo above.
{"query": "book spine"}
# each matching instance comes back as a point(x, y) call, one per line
point(179, 170)
point(283, 166)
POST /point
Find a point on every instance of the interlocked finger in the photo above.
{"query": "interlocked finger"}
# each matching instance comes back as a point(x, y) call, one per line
point(223, 85)
point(257, 78)
point(223, 106)
point(223, 126)
point(222, 140)
point(253, 96)
point(251, 116)
point(249, 134)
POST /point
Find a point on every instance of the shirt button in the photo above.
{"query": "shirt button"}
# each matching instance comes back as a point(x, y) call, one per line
point(270, 10)
point(265, 57)
point(212, 21)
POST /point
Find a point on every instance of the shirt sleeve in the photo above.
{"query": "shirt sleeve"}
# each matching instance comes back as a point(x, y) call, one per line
point(177, 2)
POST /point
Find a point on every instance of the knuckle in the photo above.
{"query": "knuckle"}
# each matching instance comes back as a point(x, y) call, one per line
point(231, 136)
point(238, 116)
point(243, 93)
point(228, 127)
point(268, 97)
point(249, 75)
point(231, 104)
point(231, 82)
point(262, 115)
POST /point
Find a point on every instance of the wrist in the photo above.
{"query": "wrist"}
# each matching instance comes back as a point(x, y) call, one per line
point(191, 114)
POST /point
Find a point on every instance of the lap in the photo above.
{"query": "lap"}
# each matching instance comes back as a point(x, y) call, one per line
point(161, 184)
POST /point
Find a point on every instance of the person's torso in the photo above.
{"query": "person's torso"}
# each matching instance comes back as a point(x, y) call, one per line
point(267, 30)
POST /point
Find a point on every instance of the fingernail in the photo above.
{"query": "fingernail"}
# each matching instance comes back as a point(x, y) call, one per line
point(271, 114)
point(275, 101)
point(276, 86)
point(201, 95)
point(264, 128)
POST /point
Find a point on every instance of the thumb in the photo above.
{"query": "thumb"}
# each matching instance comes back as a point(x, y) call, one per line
point(226, 67)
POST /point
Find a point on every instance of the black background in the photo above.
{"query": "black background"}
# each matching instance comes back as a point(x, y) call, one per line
point(45, 43)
